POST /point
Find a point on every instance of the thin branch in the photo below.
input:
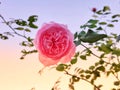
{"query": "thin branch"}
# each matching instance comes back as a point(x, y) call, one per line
point(116, 76)
point(90, 51)
point(55, 87)
point(94, 54)
point(118, 59)
point(91, 83)
point(12, 27)
point(105, 30)
point(66, 72)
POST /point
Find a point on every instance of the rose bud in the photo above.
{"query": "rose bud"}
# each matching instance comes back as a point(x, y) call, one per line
point(94, 9)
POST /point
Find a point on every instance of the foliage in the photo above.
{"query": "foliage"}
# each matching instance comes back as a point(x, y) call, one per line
point(23, 27)
point(92, 36)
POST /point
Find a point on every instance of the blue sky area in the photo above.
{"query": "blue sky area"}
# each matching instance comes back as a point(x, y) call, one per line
point(71, 12)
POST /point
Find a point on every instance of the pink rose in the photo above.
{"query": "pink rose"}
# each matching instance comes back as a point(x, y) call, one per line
point(54, 43)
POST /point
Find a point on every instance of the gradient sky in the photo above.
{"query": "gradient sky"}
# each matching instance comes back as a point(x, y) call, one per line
point(23, 75)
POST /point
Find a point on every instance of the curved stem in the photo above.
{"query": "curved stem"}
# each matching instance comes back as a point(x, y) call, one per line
point(105, 30)
point(12, 27)
point(94, 54)
point(66, 72)
point(118, 59)
point(116, 76)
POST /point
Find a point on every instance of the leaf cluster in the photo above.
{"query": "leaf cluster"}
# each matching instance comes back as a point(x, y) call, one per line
point(94, 35)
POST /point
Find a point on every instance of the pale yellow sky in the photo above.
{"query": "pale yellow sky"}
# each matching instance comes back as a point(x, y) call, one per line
point(23, 75)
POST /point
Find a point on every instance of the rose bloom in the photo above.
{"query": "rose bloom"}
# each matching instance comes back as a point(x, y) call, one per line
point(54, 43)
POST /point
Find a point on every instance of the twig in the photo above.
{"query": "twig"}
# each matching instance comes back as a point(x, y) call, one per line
point(66, 72)
point(118, 59)
point(55, 87)
point(116, 76)
point(94, 54)
point(12, 27)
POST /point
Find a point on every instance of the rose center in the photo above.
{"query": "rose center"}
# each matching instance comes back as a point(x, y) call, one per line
point(55, 43)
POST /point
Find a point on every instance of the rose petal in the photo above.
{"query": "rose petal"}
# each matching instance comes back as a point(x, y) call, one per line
point(53, 36)
point(68, 57)
point(47, 61)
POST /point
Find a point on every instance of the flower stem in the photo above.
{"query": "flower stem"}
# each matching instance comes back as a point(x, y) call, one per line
point(94, 54)
point(96, 87)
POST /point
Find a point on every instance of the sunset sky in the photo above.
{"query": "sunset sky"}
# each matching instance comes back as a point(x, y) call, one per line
point(16, 74)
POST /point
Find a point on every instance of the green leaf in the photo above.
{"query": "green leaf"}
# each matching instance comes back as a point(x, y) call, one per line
point(117, 83)
point(24, 51)
point(82, 33)
point(21, 22)
point(102, 55)
point(109, 42)
point(19, 28)
point(77, 42)
point(108, 73)
point(117, 15)
point(76, 54)
point(61, 67)
point(99, 28)
point(82, 75)
point(114, 21)
point(110, 25)
point(99, 86)
point(92, 21)
point(92, 37)
point(88, 53)
point(33, 18)
point(83, 26)
point(102, 23)
point(101, 68)
point(105, 48)
point(73, 61)
point(75, 35)
point(27, 30)
point(88, 72)
point(4, 37)
point(99, 12)
point(96, 73)
point(101, 62)
point(114, 89)
point(91, 26)
point(22, 57)
point(97, 63)
point(91, 67)
point(106, 8)
point(23, 43)
point(32, 25)
point(87, 76)
point(114, 35)
point(83, 57)
point(116, 51)
point(29, 39)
